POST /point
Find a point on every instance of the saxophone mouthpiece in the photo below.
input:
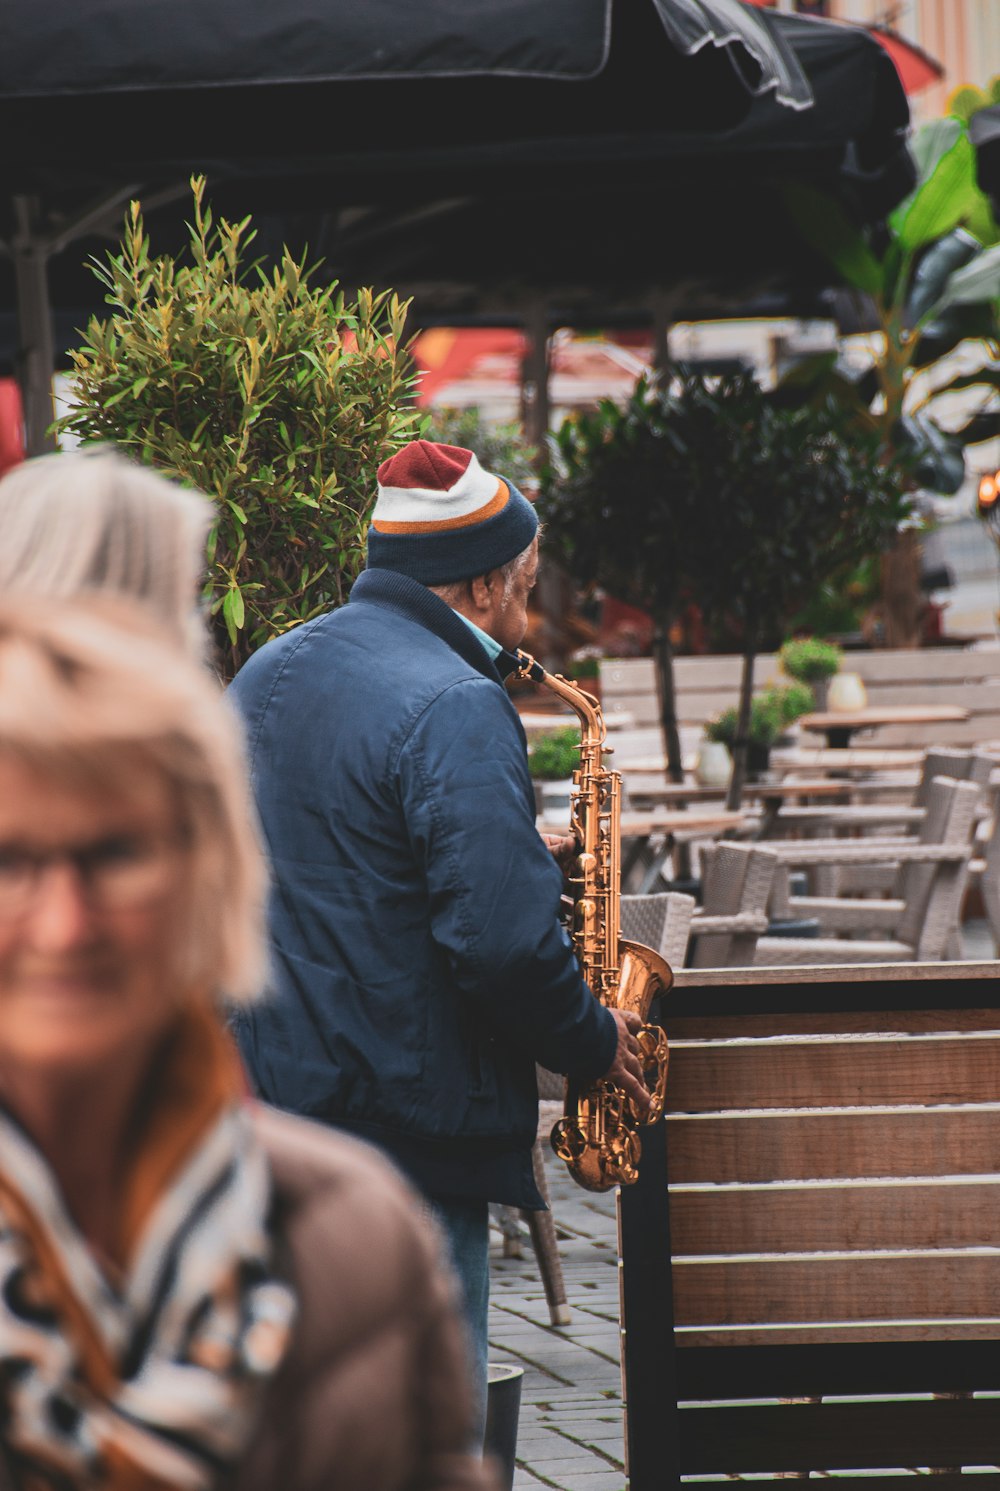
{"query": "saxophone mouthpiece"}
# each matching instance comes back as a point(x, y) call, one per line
point(529, 668)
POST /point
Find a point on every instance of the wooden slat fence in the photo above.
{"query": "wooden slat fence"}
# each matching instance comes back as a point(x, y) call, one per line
point(820, 1222)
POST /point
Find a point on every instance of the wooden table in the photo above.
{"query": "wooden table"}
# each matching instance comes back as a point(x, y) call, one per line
point(838, 726)
point(635, 824)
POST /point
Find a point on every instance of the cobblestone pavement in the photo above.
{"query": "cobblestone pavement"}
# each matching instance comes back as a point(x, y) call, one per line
point(570, 1434)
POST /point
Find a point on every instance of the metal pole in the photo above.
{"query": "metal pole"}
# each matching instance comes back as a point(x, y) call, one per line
point(35, 356)
point(535, 374)
point(553, 586)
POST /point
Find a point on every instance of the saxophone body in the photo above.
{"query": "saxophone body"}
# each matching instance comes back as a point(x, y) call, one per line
point(598, 1135)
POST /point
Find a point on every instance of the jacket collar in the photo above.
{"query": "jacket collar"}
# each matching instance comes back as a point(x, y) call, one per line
point(386, 587)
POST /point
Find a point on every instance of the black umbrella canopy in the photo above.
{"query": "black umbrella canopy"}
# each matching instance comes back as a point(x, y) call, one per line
point(620, 216)
point(141, 85)
point(461, 113)
point(466, 151)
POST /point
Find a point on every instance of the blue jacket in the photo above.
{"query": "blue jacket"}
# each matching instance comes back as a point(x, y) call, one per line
point(419, 967)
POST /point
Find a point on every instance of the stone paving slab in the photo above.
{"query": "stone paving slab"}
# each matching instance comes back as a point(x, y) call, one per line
point(570, 1435)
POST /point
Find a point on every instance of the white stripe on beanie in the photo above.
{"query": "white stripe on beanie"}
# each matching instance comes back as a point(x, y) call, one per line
point(472, 490)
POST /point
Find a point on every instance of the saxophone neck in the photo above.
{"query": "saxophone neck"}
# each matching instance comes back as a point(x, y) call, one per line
point(585, 705)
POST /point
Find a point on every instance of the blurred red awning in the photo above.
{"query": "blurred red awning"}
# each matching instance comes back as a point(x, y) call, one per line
point(916, 68)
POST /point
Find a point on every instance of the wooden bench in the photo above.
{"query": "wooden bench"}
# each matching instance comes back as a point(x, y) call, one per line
point(811, 1255)
point(966, 677)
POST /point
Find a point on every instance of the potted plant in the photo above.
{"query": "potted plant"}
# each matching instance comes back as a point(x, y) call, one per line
point(771, 713)
point(585, 670)
point(929, 276)
point(552, 759)
point(813, 662)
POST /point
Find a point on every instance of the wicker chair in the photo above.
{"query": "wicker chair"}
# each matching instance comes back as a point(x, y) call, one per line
point(901, 819)
point(736, 885)
point(915, 926)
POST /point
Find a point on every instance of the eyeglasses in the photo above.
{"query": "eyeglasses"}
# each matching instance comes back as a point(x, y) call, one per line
point(117, 873)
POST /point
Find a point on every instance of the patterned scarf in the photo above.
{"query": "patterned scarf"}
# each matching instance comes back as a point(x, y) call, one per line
point(150, 1380)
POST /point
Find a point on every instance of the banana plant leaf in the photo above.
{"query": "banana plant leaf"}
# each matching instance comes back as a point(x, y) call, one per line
point(957, 323)
point(941, 260)
point(979, 280)
point(941, 201)
point(937, 459)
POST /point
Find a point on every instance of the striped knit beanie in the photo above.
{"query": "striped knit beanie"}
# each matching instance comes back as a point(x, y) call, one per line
point(440, 517)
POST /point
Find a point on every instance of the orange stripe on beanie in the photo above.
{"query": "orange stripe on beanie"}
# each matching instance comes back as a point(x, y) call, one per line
point(440, 517)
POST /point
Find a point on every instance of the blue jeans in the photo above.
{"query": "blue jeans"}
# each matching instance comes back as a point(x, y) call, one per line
point(467, 1228)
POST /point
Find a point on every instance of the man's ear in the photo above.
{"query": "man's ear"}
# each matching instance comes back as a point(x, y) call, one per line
point(481, 590)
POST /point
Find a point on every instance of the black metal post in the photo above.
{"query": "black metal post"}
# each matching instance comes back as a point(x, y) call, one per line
point(649, 1369)
point(36, 347)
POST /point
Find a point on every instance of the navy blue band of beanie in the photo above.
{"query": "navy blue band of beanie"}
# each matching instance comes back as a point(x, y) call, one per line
point(459, 553)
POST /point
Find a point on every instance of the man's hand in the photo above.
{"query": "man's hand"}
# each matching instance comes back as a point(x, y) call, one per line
point(563, 848)
point(626, 1069)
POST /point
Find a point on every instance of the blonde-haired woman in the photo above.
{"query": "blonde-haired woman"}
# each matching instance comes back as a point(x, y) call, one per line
point(90, 521)
point(195, 1292)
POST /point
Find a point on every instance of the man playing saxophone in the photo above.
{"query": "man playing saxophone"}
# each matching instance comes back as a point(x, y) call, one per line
point(419, 967)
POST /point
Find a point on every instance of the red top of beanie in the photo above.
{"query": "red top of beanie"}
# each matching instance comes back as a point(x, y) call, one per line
point(424, 464)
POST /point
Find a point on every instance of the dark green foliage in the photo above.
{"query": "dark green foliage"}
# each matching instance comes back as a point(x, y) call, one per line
point(276, 398)
point(716, 492)
point(713, 491)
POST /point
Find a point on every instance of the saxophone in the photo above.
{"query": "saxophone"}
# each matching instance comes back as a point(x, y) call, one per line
point(598, 1136)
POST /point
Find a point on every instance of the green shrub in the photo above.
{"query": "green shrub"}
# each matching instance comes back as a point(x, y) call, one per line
point(796, 699)
point(809, 659)
point(555, 755)
point(771, 712)
point(277, 398)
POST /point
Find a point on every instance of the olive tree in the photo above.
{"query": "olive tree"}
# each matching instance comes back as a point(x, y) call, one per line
point(274, 394)
point(710, 490)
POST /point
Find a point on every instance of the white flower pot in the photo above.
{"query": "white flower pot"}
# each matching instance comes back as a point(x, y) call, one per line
point(713, 764)
point(846, 693)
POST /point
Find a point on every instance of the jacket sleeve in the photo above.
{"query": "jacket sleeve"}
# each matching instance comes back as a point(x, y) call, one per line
point(493, 886)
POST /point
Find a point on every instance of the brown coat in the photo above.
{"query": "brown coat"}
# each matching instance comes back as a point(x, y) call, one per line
point(374, 1394)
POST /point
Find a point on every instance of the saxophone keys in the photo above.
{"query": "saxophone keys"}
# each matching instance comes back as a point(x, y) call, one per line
point(585, 915)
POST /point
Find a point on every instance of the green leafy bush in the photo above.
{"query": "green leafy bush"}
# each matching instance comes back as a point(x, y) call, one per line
point(796, 700)
point(277, 398)
point(555, 755)
point(771, 712)
point(809, 659)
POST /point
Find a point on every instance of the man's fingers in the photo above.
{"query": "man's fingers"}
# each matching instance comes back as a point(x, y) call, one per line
point(636, 1090)
point(627, 1071)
